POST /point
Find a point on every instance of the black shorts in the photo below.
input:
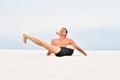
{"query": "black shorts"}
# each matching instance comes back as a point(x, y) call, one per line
point(65, 52)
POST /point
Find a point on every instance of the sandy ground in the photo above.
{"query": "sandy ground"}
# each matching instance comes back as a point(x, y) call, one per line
point(35, 65)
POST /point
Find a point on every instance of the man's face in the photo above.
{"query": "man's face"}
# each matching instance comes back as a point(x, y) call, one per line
point(62, 32)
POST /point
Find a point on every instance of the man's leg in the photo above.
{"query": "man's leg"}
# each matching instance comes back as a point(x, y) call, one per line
point(50, 47)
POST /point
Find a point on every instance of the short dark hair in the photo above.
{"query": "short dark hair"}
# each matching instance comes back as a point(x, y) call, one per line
point(65, 29)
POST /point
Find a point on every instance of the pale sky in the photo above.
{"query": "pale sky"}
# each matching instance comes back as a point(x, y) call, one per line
point(42, 18)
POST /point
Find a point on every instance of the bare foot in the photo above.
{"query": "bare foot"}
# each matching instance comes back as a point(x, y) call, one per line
point(25, 38)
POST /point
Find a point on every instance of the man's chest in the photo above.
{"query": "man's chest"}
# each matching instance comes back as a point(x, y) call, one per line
point(62, 42)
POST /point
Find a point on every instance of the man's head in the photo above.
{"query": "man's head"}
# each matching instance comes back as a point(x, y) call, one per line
point(63, 32)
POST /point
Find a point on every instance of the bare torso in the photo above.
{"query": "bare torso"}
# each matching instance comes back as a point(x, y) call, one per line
point(66, 42)
point(61, 42)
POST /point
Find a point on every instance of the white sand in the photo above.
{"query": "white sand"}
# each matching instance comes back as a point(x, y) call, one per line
point(35, 65)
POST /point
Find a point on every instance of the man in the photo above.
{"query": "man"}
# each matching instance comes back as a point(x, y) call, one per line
point(62, 46)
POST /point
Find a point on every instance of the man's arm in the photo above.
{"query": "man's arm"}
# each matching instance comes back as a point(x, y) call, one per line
point(81, 50)
point(49, 52)
point(78, 48)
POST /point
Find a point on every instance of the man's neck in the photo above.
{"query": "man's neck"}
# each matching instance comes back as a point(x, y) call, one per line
point(62, 37)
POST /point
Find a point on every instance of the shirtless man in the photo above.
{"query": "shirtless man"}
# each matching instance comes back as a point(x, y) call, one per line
point(62, 46)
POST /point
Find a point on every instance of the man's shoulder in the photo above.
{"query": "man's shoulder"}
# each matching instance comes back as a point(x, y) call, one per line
point(54, 39)
point(69, 38)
